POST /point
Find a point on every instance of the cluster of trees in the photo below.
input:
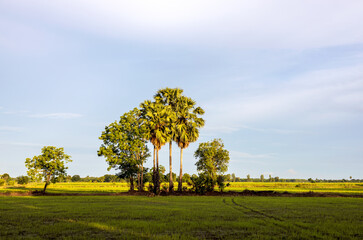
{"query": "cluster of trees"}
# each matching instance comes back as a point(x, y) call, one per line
point(170, 117)
point(5, 179)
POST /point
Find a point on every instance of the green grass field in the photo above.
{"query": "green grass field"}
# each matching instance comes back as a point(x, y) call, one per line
point(81, 187)
point(180, 217)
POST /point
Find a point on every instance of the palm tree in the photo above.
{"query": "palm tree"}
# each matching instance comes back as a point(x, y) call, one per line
point(157, 118)
point(187, 127)
point(170, 97)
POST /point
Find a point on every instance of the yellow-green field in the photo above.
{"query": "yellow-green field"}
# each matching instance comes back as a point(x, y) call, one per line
point(82, 187)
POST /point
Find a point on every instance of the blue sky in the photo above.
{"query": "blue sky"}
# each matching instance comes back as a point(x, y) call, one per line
point(281, 81)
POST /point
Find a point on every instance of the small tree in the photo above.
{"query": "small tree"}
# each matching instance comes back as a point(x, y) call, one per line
point(124, 146)
point(6, 177)
point(50, 165)
point(212, 161)
point(76, 178)
point(248, 178)
point(262, 178)
point(233, 177)
point(23, 180)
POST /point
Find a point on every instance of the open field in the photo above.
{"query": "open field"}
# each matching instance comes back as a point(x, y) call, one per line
point(183, 217)
point(82, 187)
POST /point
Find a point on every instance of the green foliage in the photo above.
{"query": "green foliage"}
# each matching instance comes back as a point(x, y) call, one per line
point(50, 165)
point(262, 178)
point(11, 183)
point(212, 159)
point(124, 145)
point(22, 180)
point(76, 178)
point(2, 182)
point(202, 183)
point(173, 176)
point(157, 119)
point(186, 177)
point(5, 176)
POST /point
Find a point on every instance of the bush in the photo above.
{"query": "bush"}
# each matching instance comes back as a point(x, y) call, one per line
point(11, 183)
point(220, 182)
point(202, 184)
point(2, 182)
point(76, 178)
point(22, 180)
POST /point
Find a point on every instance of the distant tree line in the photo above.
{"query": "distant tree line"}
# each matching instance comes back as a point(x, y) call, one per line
point(169, 117)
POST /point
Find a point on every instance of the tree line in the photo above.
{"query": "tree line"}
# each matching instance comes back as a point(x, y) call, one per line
point(169, 117)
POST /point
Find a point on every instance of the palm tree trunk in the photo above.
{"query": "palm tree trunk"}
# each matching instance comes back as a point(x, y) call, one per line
point(142, 177)
point(180, 185)
point(171, 183)
point(138, 179)
point(154, 172)
point(131, 183)
point(157, 182)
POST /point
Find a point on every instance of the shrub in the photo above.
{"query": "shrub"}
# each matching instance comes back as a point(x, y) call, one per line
point(11, 183)
point(202, 184)
point(2, 182)
point(22, 180)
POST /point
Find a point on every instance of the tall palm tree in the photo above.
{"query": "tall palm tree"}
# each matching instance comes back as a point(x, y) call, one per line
point(170, 97)
point(157, 118)
point(188, 123)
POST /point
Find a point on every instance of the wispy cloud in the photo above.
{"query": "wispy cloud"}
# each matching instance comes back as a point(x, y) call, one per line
point(292, 172)
point(10, 129)
point(280, 24)
point(15, 112)
point(316, 97)
point(57, 115)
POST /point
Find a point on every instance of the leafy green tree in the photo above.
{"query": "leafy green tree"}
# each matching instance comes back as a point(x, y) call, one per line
point(212, 161)
point(262, 178)
point(187, 127)
point(5, 176)
point(170, 97)
point(76, 178)
point(23, 180)
point(157, 119)
point(186, 177)
point(233, 177)
point(124, 147)
point(50, 165)
point(248, 178)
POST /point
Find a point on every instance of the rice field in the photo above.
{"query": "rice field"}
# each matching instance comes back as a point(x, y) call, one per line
point(82, 187)
point(180, 217)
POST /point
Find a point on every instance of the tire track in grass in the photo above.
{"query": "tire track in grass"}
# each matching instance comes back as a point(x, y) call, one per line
point(281, 220)
point(257, 212)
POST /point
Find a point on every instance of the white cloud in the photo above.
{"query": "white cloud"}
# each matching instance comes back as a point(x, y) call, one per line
point(15, 112)
point(57, 115)
point(292, 172)
point(280, 24)
point(318, 97)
